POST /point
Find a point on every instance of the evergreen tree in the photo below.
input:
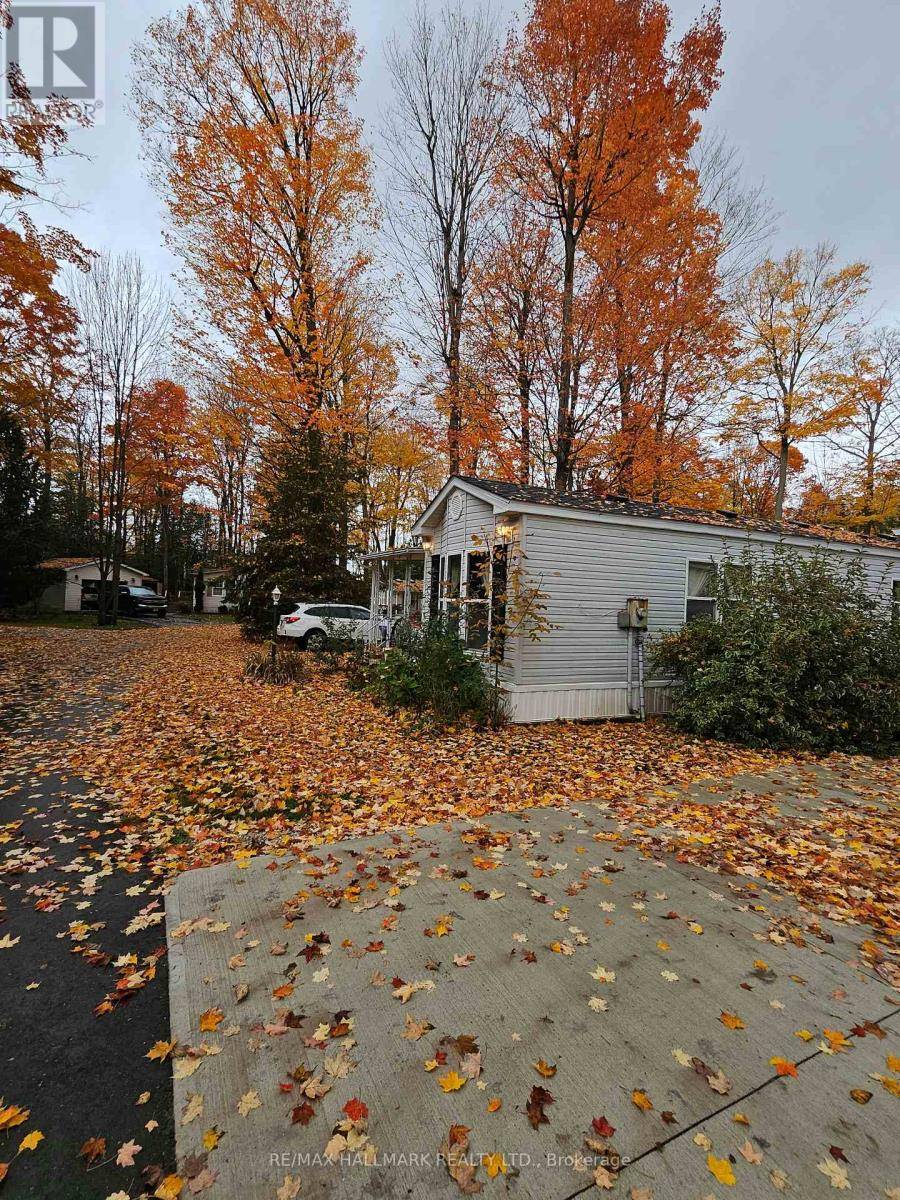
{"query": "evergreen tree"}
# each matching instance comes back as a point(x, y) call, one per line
point(21, 546)
point(303, 542)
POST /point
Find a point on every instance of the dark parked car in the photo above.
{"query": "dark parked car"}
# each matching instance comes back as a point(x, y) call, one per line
point(133, 602)
point(141, 602)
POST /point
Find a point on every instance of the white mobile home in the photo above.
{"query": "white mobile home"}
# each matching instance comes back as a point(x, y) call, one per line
point(588, 558)
point(216, 583)
point(79, 579)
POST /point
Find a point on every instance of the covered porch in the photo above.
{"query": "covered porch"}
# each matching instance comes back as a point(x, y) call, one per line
point(397, 588)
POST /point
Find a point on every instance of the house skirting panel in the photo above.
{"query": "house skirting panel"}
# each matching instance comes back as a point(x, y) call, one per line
point(580, 702)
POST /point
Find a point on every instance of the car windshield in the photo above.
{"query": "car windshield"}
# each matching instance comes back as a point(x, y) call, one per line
point(142, 591)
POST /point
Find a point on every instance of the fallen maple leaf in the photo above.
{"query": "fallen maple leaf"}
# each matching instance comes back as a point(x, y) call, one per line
point(454, 1155)
point(602, 1127)
point(212, 1019)
point(248, 1102)
point(719, 1082)
point(93, 1149)
point(538, 1101)
point(170, 1188)
point(289, 1189)
point(30, 1140)
point(836, 1041)
point(12, 1115)
point(731, 1020)
point(413, 1029)
point(783, 1066)
point(125, 1154)
point(355, 1110)
point(544, 1068)
point(192, 1109)
point(641, 1100)
point(160, 1050)
point(494, 1164)
point(749, 1152)
point(451, 1082)
point(721, 1168)
point(835, 1174)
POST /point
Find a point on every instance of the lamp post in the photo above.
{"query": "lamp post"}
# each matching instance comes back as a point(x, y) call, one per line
point(276, 596)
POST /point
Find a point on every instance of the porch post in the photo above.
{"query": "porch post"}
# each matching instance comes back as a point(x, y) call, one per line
point(373, 601)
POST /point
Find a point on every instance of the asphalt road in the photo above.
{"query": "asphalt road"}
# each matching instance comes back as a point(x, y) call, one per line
point(79, 1074)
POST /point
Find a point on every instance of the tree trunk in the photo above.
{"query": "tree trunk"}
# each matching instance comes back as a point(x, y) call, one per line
point(869, 496)
point(454, 423)
point(784, 449)
point(164, 546)
point(524, 422)
point(563, 476)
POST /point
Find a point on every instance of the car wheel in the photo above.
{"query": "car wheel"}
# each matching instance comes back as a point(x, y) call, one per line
point(315, 640)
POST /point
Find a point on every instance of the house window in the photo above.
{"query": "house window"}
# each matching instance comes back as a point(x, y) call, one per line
point(701, 591)
point(895, 601)
point(451, 580)
point(499, 586)
point(434, 586)
point(478, 600)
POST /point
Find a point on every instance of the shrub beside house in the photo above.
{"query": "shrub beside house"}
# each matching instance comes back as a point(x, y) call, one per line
point(800, 652)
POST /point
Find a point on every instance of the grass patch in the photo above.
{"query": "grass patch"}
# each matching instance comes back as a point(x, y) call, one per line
point(79, 620)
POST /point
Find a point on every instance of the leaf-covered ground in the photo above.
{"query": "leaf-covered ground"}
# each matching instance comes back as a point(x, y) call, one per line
point(127, 757)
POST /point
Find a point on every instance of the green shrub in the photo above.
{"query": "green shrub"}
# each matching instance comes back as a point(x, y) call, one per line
point(801, 655)
point(288, 666)
point(429, 670)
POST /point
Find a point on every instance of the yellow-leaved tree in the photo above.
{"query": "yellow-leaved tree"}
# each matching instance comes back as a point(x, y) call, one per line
point(796, 317)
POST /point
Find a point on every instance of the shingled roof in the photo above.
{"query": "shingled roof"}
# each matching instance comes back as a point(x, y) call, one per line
point(518, 493)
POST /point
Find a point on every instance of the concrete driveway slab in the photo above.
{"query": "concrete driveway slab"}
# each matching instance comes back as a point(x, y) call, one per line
point(806, 1137)
point(529, 951)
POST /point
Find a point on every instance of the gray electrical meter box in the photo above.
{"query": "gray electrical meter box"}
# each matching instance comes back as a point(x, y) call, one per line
point(634, 615)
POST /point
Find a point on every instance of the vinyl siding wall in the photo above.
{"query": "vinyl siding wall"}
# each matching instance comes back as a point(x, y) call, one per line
point(588, 569)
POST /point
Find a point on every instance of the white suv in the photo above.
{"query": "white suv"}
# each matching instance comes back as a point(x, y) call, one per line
point(312, 623)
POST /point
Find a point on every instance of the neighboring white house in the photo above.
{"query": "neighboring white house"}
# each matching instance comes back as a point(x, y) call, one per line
point(81, 576)
point(588, 558)
point(215, 587)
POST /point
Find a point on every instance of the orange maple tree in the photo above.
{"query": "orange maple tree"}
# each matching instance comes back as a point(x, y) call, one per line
point(663, 325)
point(261, 162)
point(32, 310)
point(163, 459)
point(796, 314)
point(607, 105)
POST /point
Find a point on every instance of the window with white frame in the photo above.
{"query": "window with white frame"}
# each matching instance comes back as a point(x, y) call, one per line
point(701, 591)
point(478, 599)
point(895, 601)
point(451, 585)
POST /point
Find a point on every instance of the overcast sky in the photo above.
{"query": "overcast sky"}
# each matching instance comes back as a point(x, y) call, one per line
point(810, 97)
